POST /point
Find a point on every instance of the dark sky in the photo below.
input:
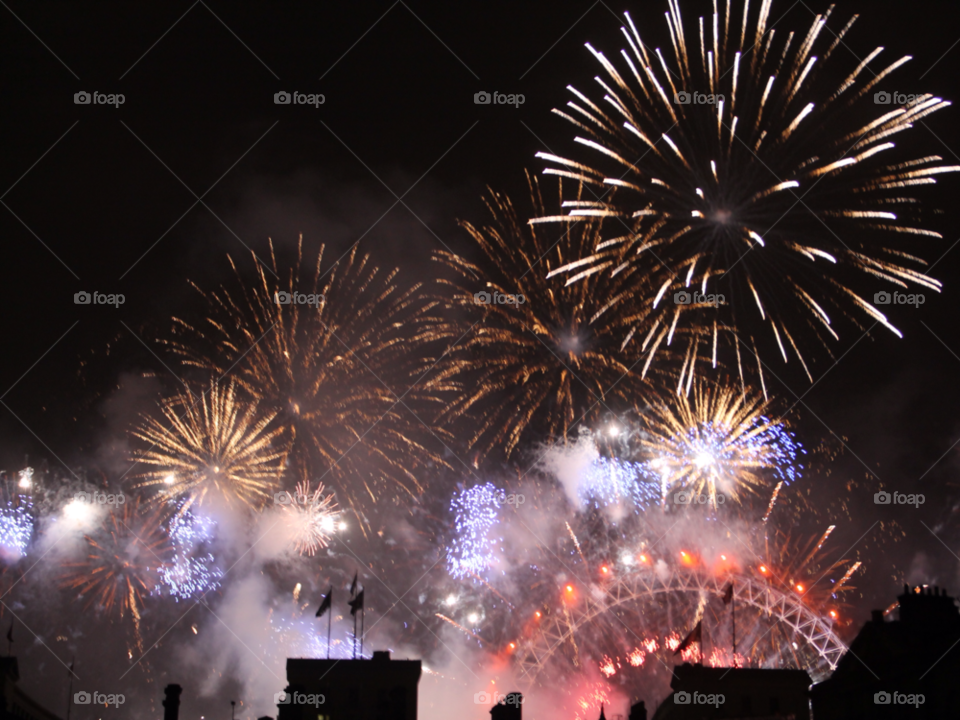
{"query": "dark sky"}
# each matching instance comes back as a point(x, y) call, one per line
point(199, 163)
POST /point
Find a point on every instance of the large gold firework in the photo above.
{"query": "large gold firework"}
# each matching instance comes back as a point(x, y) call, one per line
point(746, 180)
point(533, 355)
point(217, 443)
point(719, 444)
point(124, 560)
point(337, 357)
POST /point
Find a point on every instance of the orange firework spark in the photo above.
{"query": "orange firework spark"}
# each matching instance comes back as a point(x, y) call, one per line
point(124, 560)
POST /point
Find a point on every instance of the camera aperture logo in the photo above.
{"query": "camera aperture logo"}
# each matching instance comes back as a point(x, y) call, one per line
point(697, 698)
point(98, 98)
point(497, 298)
point(898, 498)
point(685, 297)
point(898, 698)
point(98, 298)
point(896, 298)
point(98, 698)
point(299, 98)
point(498, 98)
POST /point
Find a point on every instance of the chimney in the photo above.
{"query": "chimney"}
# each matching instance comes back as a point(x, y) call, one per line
point(171, 705)
point(381, 656)
point(638, 711)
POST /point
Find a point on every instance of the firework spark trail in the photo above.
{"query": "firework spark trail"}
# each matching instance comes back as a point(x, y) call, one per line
point(16, 526)
point(541, 358)
point(773, 501)
point(476, 512)
point(219, 445)
point(311, 518)
point(192, 571)
point(719, 442)
point(752, 167)
point(125, 559)
point(329, 353)
point(458, 626)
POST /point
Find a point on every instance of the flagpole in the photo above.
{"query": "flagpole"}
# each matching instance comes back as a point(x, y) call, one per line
point(733, 612)
point(329, 625)
point(70, 687)
point(362, 615)
point(354, 636)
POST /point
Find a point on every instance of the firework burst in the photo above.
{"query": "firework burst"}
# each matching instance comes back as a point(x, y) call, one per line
point(192, 571)
point(125, 559)
point(719, 443)
point(746, 181)
point(533, 354)
point(337, 364)
point(311, 518)
point(214, 444)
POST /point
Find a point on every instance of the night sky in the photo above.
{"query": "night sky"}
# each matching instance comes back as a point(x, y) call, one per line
point(199, 163)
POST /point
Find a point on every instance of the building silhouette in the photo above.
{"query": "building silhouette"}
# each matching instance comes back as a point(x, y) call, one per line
point(747, 693)
point(509, 708)
point(14, 703)
point(376, 689)
point(891, 660)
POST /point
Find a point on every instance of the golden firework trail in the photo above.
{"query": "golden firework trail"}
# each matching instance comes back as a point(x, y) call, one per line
point(336, 355)
point(213, 444)
point(719, 442)
point(532, 355)
point(743, 180)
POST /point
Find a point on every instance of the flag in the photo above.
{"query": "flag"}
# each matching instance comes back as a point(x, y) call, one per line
point(353, 586)
point(356, 603)
point(325, 605)
point(728, 594)
point(695, 636)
